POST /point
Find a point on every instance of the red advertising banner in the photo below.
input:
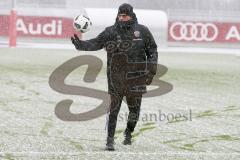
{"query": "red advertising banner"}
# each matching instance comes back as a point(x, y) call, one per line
point(204, 32)
point(4, 23)
point(32, 26)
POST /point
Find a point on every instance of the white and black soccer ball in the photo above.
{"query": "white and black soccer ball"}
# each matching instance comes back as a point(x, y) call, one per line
point(82, 23)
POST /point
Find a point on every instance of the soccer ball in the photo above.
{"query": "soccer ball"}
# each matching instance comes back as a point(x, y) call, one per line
point(82, 23)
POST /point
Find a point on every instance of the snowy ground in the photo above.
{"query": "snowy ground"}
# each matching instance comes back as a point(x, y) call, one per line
point(206, 90)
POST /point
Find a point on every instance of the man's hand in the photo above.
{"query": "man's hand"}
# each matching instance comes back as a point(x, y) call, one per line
point(149, 79)
point(76, 42)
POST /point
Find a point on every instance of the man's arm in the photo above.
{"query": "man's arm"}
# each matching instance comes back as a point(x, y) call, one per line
point(151, 53)
point(90, 45)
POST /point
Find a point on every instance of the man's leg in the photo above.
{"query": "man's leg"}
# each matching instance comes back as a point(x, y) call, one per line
point(134, 105)
point(114, 110)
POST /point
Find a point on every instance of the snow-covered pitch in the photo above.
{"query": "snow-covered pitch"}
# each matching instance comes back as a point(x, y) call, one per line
point(206, 89)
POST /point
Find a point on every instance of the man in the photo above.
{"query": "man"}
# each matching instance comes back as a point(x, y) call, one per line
point(126, 43)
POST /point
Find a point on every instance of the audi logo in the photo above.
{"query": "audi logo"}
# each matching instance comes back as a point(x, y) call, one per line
point(193, 31)
point(112, 46)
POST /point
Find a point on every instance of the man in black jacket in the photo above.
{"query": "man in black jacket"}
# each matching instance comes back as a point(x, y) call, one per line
point(131, 56)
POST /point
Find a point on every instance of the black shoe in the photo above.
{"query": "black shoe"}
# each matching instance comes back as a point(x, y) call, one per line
point(128, 138)
point(110, 144)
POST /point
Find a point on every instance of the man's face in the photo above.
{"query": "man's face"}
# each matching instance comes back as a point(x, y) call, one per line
point(123, 17)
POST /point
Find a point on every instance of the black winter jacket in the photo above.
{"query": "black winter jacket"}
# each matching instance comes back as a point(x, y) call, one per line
point(131, 44)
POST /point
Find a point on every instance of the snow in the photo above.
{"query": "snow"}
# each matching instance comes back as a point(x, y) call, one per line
point(206, 84)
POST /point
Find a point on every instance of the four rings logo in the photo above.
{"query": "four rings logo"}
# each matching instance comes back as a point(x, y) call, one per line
point(193, 31)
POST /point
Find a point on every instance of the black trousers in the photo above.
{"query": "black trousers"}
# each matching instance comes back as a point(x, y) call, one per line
point(134, 104)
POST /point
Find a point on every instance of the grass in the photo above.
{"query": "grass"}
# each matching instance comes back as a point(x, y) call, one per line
point(45, 128)
point(195, 78)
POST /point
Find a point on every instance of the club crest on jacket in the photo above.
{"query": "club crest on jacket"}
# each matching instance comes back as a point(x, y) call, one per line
point(137, 34)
